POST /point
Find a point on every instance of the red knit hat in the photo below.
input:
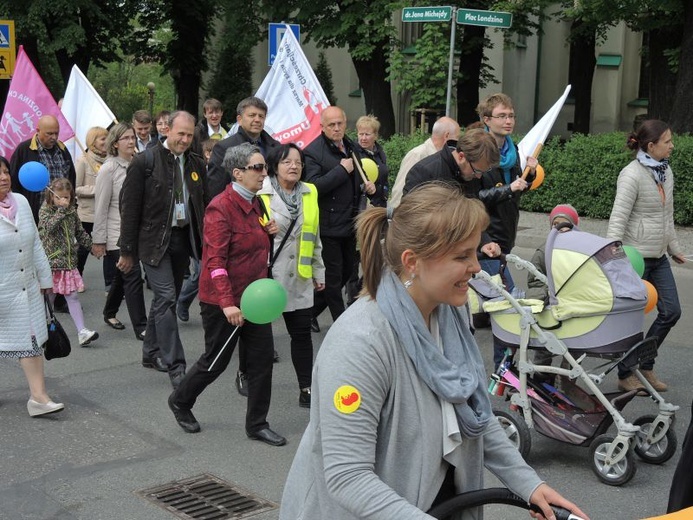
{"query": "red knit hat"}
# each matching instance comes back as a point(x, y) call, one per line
point(566, 211)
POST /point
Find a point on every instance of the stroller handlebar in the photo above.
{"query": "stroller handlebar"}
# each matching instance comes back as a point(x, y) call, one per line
point(481, 497)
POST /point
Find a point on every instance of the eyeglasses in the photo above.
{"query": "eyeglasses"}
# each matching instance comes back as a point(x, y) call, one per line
point(255, 167)
point(478, 172)
point(128, 138)
point(503, 117)
point(291, 162)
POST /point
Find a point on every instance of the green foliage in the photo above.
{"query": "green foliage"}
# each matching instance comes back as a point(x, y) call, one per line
point(397, 147)
point(583, 172)
point(324, 75)
point(423, 76)
point(123, 86)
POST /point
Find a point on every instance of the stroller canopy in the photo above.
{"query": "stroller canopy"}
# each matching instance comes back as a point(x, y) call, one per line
point(589, 275)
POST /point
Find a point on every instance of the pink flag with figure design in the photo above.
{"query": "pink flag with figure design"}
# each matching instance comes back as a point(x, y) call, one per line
point(293, 95)
point(27, 100)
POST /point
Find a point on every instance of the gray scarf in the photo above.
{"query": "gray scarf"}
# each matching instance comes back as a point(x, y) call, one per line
point(457, 374)
point(292, 200)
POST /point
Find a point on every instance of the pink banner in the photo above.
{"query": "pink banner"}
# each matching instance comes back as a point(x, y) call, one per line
point(28, 99)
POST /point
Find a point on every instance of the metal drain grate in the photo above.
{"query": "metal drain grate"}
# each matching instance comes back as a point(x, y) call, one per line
point(206, 497)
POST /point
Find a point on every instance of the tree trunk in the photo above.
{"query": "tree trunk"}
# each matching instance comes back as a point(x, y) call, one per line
point(582, 64)
point(376, 89)
point(190, 24)
point(66, 61)
point(662, 79)
point(467, 88)
point(188, 89)
point(682, 110)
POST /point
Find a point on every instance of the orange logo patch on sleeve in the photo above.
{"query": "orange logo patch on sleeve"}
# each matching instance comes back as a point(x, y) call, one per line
point(347, 399)
point(194, 176)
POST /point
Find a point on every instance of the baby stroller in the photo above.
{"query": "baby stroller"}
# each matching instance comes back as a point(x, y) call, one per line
point(596, 310)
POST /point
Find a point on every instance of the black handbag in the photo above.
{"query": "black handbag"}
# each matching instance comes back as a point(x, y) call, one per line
point(58, 344)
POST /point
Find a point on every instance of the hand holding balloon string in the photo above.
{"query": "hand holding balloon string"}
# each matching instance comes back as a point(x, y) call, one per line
point(263, 301)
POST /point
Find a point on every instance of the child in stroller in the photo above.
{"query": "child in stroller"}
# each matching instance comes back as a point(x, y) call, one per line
point(595, 308)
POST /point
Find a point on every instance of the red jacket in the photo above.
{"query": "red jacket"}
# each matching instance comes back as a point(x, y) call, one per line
point(235, 248)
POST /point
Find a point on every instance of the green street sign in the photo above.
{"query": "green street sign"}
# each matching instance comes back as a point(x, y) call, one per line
point(484, 18)
point(427, 14)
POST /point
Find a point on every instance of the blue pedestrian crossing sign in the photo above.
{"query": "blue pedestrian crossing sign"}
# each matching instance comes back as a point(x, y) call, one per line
point(8, 52)
point(276, 33)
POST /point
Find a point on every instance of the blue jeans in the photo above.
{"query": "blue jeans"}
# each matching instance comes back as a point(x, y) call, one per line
point(190, 286)
point(658, 273)
point(492, 267)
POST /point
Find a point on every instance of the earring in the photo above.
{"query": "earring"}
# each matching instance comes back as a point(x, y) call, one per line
point(410, 282)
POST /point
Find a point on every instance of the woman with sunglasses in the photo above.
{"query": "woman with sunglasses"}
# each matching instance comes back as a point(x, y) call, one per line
point(296, 261)
point(236, 241)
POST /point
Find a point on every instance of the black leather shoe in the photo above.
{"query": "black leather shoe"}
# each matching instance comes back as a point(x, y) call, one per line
point(184, 418)
point(140, 335)
point(176, 378)
point(304, 398)
point(114, 323)
point(182, 312)
point(242, 383)
point(314, 327)
point(267, 436)
point(156, 364)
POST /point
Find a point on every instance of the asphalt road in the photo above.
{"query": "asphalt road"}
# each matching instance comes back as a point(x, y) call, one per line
point(117, 436)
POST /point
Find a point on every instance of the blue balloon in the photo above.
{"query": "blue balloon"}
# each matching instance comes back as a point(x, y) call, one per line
point(34, 176)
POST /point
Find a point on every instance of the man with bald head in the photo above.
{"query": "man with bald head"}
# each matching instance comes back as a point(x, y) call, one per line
point(162, 204)
point(43, 147)
point(444, 129)
point(330, 167)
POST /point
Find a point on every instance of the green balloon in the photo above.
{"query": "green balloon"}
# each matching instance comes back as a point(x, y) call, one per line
point(636, 259)
point(263, 301)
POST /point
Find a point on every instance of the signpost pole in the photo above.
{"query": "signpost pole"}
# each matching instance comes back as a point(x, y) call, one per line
point(451, 64)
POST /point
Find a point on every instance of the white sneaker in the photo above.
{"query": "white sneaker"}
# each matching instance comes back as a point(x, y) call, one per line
point(36, 409)
point(86, 336)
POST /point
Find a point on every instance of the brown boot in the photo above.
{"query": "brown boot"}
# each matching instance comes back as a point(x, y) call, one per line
point(629, 383)
point(652, 379)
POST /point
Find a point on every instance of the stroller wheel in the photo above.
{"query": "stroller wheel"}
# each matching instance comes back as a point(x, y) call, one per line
point(660, 451)
point(516, 429)
point(616, 474)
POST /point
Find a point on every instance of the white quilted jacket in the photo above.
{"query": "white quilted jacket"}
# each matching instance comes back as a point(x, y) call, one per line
point(639, 217)
point(24, 271)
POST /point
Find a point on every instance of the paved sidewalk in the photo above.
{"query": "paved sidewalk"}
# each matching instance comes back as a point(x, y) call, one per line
point(534, 227)
point(117, 435)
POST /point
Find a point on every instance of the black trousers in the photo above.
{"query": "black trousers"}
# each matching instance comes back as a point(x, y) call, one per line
point(82, 252)
point(128, 285)
point(259, 353)
point(298, 325)
point(339, 257)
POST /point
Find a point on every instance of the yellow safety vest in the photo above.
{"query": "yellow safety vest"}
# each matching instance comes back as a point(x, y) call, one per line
point(309, 229)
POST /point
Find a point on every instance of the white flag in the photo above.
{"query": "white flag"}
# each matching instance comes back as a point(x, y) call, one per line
point(293, 95)
point(84, 109)
point(540, 131)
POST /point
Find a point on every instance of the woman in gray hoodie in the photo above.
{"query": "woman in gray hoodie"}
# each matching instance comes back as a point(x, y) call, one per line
point(400, 416)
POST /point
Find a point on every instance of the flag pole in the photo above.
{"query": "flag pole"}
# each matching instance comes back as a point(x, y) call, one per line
point(535, 154)
point(357, 164)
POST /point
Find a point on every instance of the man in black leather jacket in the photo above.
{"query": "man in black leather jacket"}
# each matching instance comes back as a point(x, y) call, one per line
point(161, 215)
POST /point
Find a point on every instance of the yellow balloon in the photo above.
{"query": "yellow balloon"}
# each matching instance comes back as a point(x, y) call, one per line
point(370, 168)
